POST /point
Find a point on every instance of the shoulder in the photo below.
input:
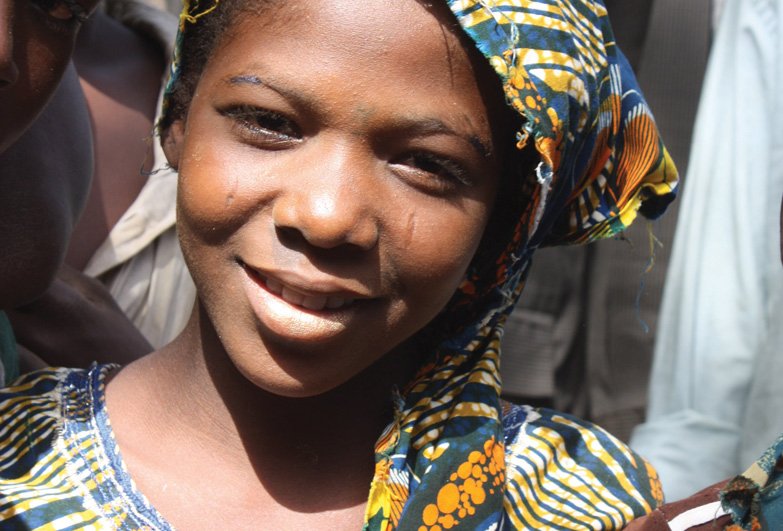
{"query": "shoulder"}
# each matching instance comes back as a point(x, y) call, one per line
point(576, 472)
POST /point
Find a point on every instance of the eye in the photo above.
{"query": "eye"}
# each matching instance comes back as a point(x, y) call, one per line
point(433, 172)
point(263, 127)
point(67, 12)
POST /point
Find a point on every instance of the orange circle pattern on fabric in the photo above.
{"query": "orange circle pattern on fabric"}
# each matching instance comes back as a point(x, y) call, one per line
point(468, 488)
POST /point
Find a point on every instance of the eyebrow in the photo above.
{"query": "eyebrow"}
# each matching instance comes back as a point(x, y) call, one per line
point(414, 126)
point(433, 126)
point(256, 81)
point(245, 79)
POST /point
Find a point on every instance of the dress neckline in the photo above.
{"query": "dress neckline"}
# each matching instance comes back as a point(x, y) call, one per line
point(85, 418)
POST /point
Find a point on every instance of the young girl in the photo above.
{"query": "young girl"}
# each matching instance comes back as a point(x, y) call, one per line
point(362, 184)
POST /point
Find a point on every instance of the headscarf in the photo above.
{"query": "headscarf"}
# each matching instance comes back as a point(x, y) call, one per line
point(601, 162)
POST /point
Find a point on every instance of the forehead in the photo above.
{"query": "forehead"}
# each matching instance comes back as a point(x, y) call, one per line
point(364, 34)
point(401, 53)
point(346, 19)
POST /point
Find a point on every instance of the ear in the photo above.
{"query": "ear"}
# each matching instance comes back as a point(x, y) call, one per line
point(173, 141)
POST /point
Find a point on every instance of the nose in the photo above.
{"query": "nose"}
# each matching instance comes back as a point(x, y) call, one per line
point(9, 72)
point(330, 204)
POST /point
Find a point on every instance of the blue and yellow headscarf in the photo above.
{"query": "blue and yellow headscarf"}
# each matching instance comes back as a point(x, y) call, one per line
point(447, 458)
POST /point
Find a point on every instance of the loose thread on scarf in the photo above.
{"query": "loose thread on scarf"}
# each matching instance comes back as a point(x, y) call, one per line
point(653, 242)
point(544, 178)
point(502, 19)
point(193, 18)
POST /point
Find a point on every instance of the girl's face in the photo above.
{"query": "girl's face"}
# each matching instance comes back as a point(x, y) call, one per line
point(337, 171)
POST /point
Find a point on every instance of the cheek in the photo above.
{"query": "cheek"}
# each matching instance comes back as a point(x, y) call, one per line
point(41, 59)
point(219, 188)
point(438, 245)
point(46, 63)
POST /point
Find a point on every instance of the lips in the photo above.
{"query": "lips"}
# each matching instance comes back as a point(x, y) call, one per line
point(296, 297)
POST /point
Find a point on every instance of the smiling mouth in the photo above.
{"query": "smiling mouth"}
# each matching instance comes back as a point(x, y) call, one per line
point(312, 302)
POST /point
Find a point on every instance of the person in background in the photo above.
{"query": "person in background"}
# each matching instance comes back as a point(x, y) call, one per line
point(715, 399)
point(35, 51)
point(126, 237)
point(41, 196)
point(751, 501)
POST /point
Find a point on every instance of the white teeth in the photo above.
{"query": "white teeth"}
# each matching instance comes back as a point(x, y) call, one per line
point(311, 302)
point(314, 303)
point(292, 296)
point(274, 286)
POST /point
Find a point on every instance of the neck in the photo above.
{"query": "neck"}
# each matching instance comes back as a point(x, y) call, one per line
point(288, 444)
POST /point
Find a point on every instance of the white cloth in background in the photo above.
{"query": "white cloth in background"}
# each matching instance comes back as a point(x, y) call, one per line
point(141, 262)
point(715, 396)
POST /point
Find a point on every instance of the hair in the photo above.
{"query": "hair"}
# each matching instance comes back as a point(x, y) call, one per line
point(201, 32)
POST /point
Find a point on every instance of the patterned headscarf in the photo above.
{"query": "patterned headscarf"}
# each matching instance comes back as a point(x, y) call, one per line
point(600, 163)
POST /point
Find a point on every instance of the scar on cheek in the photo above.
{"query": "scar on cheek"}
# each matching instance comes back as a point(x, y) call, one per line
point(232, 190)
point(410, 228)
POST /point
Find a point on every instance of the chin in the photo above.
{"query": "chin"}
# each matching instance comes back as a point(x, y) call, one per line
point(284, 375)
point(288, 386)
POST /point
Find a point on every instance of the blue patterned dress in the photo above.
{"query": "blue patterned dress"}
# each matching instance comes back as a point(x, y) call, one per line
point(60, 467)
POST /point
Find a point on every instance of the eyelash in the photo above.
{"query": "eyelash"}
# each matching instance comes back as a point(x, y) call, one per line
point(273, 130)
point(435, 170)
point(61, 15)
point(262, 126)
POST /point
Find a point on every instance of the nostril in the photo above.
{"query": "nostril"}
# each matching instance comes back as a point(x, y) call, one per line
point(290, 236)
